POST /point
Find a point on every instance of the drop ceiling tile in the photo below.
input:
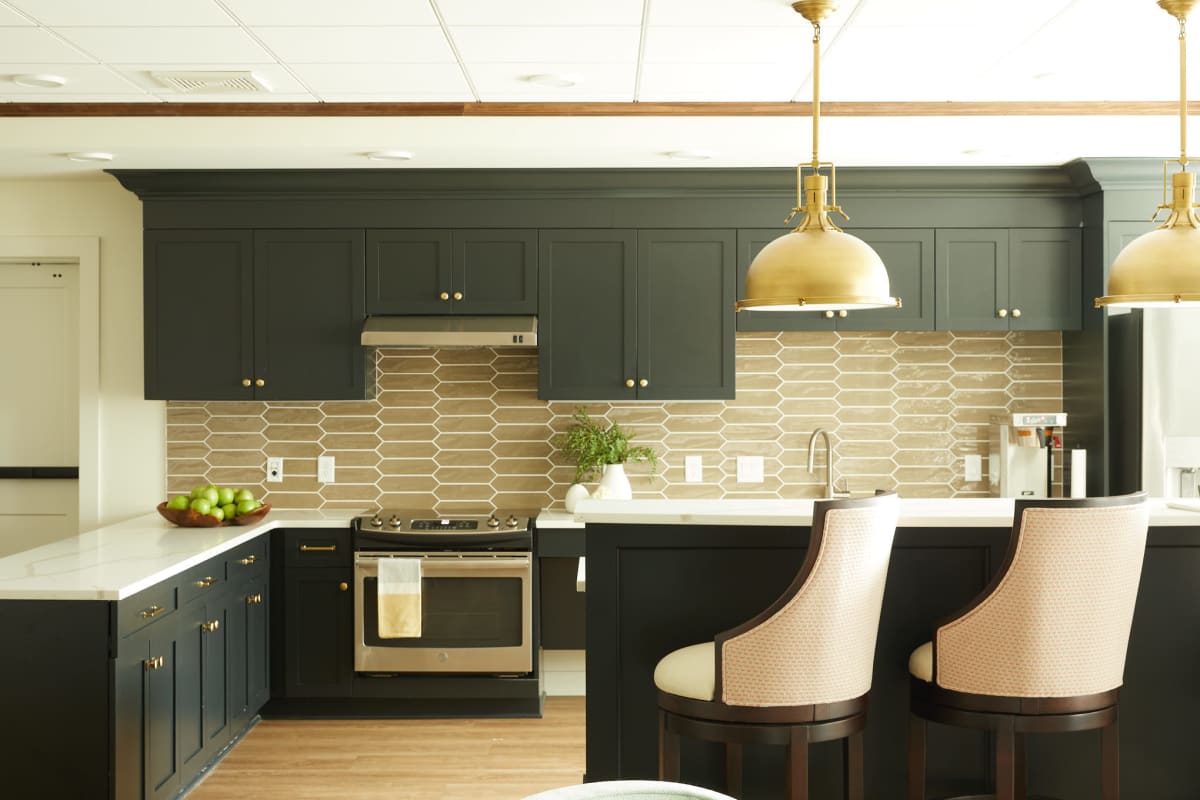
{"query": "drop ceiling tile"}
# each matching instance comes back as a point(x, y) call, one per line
point(168, 96)
point(161, 45)
point(595, 82)
point(328, 45)
point(172, 14)
point(82, 80)
point(275, 76)
point(132, 96)
point(678, 45)
point(541, 12)
point(598, 45)
point(10, 17)
point(716, 82)
point(24, 45)
point(743, 12)
point(341, 12)
point(982, 17)
point(392, 81)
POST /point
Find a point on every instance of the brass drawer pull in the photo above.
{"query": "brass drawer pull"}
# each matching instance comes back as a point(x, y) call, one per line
point(343, 586)
point(204, 583)
point(152, 612)
point(253, 599)
point(318, 548)
point(153, 663)
point(211, 626)
point(248, 560)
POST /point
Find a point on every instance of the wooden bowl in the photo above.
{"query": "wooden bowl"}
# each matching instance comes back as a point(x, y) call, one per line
point(190, 519)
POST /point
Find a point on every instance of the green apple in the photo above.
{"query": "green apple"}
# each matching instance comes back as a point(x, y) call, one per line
point(198, 491)
point(230, 510)
point(211, 494)
point(179, 502)
point(226, 495)
point(246, 506)
point(242, 495)
point(201, 505)
point(216, 511)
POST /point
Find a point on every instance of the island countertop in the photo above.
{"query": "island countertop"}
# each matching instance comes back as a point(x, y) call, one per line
point(966, 512)
point(119, 560)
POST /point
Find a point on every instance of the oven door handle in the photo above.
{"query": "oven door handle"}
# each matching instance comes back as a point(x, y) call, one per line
point(444, 566)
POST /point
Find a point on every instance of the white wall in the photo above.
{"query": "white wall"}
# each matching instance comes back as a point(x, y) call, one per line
point(132, 449)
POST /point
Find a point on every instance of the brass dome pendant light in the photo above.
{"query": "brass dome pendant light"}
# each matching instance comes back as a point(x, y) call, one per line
point(1162, 267)
point(816, 267)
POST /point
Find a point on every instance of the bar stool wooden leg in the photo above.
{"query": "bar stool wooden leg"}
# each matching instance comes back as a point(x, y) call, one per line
point(1006, 772)
point(1110, 755)
point(916, 757)
point(852, 766)
point(797, 764)
point(733, 769)
point(668, 750)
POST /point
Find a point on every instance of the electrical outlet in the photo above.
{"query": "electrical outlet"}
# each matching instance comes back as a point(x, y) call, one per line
point(274, 470)
point(325, 469)
point(693, 469)
point(750, 469)
point(973, 467)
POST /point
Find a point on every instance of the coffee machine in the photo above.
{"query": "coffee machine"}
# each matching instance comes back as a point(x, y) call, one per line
point(1022, 453)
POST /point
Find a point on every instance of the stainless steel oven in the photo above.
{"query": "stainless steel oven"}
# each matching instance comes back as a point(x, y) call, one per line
point(476, 593)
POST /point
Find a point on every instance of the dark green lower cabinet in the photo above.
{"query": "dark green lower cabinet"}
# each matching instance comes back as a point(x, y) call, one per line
point(249, 674)
point(319, 632)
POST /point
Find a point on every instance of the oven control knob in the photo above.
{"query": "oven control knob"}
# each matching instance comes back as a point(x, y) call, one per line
point(493, 522)
point(511, 521)
point(443, 657)
point(394, 521)
point(376, 522)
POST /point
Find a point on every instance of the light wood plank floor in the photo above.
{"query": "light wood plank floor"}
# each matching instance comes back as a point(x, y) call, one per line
point(443, 759)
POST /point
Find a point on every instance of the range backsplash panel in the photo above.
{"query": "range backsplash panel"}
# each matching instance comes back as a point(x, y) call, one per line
point(464, 428)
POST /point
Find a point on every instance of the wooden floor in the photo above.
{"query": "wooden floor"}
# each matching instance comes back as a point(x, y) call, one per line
point(444, 759)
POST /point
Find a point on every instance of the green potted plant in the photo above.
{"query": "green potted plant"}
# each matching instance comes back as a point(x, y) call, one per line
point(598, 447)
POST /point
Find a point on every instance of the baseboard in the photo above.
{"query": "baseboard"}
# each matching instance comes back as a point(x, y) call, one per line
point(563, 673)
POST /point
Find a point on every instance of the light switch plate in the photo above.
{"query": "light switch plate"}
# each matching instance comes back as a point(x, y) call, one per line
point(274, 470)
point(973, 466)
point(693, 469)
point(325, 469)
point(749, 469)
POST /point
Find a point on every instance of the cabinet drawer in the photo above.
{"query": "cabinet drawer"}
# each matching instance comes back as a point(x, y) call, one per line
point(246, 560)
point(146, 607)
point(319, 547)
point(202, 580)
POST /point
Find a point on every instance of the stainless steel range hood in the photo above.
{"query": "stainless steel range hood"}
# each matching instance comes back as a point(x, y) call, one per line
point(449, 331)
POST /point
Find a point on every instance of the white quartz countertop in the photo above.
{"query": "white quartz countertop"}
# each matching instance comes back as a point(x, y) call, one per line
point(983, 512)
point(120, 560)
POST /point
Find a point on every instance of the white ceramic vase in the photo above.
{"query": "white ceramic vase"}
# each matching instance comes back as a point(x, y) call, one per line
point(614, 483)
point(574, 494)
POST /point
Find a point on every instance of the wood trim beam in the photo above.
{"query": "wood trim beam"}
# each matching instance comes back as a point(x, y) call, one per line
point(829, 109)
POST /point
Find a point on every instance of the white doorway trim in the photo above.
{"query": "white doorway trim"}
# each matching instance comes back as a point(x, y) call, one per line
point(84, 250)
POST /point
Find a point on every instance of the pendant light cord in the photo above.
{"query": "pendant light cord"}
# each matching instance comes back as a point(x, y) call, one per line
point(816, 82)
point(1183, 160)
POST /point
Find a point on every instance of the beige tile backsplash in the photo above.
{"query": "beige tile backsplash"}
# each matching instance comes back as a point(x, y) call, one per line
point(462, 428)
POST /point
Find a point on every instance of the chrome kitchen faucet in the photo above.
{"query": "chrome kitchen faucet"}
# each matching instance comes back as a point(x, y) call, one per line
point(812, 453)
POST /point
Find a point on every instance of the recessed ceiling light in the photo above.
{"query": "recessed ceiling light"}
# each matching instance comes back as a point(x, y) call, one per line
point(90, 156)
point(691, 154)
point(390, 155)
point(557, 80)
point(40, 81)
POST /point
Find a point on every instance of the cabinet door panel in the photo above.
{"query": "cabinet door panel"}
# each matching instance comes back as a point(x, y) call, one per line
point(749, 242)
point(216, 676)
point(972, 279)
point(495, 271)
point(319, 632)
point(309, 310)
point(407, 272)
point(587, 314)
point(685, 314)
point(249, 677)
point(198, 303)
point(1046, 278)
point(162, 746)
point(909, 258)
point(189, 673)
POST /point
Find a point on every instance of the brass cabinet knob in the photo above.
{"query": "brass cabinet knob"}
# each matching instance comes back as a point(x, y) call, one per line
point(260, 382)
point(1002, 313)
point(153, 663)
point(343, 586)
point(842, 313)
point(204, 583)
point(245, 381)
point(629, 383)
point(458, 295)
point(643, 383)
point(444, 296)
point(253, 599)
point(248, 560)
point(212, 626)
point(1016, 312)
point(828, 315)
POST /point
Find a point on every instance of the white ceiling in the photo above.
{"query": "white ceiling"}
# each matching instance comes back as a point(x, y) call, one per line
point(625, 51)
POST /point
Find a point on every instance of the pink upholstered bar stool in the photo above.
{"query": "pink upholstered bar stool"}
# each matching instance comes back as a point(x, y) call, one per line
point(799, 672)
point(1042, 648)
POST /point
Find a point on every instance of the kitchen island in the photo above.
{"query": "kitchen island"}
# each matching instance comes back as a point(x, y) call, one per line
point(663, 574)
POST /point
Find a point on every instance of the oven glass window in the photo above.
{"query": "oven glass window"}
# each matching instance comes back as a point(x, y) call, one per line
point(455, 612)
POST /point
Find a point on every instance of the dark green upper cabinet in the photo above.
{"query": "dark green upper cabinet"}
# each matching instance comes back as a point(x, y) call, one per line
point(1019, 279)
point(452, 272)
point(268, 315)
point(908, 255)
point(636, 315)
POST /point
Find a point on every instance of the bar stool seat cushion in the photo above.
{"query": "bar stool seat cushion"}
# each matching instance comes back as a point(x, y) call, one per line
point(688, 672)
point(920, 662)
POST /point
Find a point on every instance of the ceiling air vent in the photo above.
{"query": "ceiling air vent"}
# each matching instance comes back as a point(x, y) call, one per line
point(224, 82)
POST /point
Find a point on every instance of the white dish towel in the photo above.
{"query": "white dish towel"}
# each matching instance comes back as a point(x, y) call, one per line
point(399, 598)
